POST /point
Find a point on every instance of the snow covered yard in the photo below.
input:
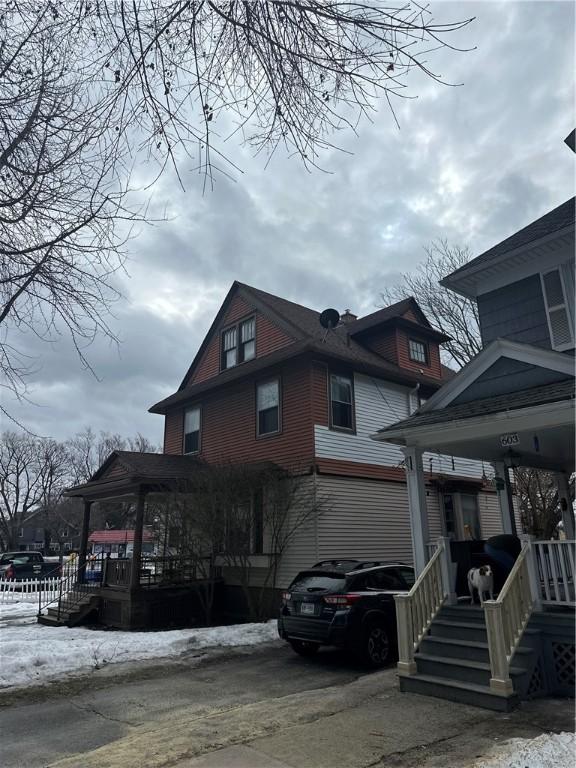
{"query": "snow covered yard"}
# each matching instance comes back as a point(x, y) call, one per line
point(31, 653)
point(550, 750)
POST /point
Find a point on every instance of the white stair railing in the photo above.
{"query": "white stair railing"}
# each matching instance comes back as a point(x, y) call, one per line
point(507, 617)
point(416, 609)
point(555, 571)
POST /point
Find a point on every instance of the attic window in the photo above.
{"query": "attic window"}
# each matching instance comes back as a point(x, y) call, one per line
point(239, 343)
point(418, 351)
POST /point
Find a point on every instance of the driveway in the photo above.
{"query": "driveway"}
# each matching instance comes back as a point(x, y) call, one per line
point(261, 707)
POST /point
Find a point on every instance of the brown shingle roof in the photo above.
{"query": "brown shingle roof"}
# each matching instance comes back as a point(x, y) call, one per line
point(309, 336)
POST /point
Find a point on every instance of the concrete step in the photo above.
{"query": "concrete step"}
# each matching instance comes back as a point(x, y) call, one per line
point(454, 690)
point(463, 670)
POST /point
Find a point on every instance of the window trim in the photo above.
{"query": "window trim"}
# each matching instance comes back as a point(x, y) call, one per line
point(347, 430)
point(256, 411)
point(200, 420)
point(426, 351)
point(565, 305)
point(237, 325)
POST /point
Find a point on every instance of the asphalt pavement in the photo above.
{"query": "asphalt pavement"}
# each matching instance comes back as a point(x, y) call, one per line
point(262, 707)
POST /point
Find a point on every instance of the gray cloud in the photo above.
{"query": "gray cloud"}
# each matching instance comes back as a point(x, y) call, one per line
point(472, 164)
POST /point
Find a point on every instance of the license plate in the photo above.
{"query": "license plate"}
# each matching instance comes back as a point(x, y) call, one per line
point(308, 608)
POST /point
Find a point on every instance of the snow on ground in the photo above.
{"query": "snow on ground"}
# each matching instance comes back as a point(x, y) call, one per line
point(31, 653)
point(550, 750)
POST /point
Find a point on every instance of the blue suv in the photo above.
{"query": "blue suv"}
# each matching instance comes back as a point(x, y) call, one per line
point(345, 603)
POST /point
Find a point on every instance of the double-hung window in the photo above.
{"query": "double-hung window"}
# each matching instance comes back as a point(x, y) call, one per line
point(192, 430)
point(247, 348)
point(341, 402)
point(268, 407)
point(239, 343)
point(229, 348)
point(418, 351)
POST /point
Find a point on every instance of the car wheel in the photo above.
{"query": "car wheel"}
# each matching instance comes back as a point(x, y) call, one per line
point(377, 649)
point(304, 648)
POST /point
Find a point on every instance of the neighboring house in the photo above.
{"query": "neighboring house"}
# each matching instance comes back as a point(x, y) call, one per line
point(119, 543)
point(512, 405)
point(58, 537)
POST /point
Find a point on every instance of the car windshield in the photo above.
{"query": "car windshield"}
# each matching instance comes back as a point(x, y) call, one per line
point(18, 557)
point(318, 582)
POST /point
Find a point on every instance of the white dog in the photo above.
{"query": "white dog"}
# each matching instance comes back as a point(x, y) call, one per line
point(482, 580)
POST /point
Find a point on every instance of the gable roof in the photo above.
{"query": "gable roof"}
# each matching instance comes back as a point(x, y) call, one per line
point(388, 313)
point(499, 348)
point(303, 325)
point(555, 221)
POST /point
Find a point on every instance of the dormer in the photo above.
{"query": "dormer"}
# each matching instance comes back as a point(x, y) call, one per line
point(402, 334)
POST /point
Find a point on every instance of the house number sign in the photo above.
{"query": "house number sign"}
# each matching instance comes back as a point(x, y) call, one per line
point(510, 439)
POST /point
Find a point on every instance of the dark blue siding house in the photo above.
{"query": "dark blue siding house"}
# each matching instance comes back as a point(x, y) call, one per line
point(511, 406)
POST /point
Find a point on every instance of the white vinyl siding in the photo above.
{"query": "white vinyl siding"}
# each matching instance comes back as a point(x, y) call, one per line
point(379, 404)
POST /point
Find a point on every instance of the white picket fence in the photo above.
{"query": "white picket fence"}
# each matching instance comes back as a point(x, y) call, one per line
point(29, 590)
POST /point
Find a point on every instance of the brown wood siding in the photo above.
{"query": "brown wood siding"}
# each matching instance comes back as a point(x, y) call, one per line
point(319, 394)
point(115, 470)
point(174, 431)
point(410, 315)
point(228, 431)
point(433, 368)
point(269, 338)
point(356, 469)
point(382, 342)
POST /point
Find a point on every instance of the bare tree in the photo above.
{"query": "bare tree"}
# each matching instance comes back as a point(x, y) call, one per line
point(539, 505)
point(457, 316)
point(32, 476)
point(61, 199)
point(87, 89)
point(454, 315)
point(244, 517)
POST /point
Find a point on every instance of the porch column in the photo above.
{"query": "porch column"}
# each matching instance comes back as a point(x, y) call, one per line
point(566, 509)
point(84, 538)
point(417, 505)
point(137, 550)
point(505, 498)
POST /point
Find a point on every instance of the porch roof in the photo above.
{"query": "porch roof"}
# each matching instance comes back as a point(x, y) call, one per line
point(549, 393)
point(125, 472)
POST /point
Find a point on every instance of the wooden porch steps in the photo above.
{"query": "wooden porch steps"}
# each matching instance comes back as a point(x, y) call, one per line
point(72, 611)
point(453, 662)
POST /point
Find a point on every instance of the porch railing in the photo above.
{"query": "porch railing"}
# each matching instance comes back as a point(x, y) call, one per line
point(158, 571)
point(507, 617)
point(416, 609)
point(555, 571)
point(79, 582)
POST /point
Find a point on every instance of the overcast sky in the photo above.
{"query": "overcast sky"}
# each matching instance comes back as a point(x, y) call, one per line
point(472, 164)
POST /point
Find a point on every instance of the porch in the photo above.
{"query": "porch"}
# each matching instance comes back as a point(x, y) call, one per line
point(140, 591)
point(517, 643)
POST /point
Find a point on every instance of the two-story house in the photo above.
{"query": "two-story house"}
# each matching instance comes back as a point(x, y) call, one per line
point(512, 405)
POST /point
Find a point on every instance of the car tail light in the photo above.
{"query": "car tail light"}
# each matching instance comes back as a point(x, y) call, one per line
point(10, 573)
point(286, 596)
point(342, 601)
